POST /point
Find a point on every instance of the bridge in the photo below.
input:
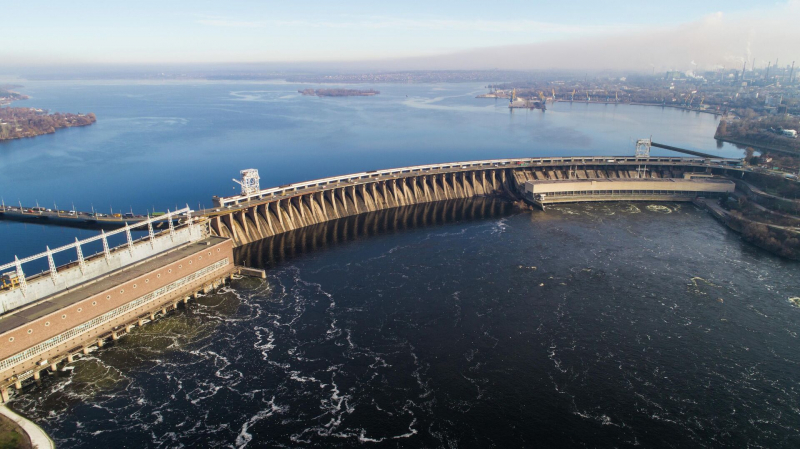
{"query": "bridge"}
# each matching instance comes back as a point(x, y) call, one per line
point(256, 214)
point(77, 219)
point(442, 181)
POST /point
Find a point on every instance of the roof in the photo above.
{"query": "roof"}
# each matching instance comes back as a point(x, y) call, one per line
point(49, 305)
point(612, 180)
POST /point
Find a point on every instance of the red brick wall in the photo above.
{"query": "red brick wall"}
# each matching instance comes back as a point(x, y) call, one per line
point(62, 320)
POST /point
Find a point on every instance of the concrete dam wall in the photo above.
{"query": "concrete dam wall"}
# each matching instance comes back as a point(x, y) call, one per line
point(291, 208)
point(268, 219)
point(274, 250)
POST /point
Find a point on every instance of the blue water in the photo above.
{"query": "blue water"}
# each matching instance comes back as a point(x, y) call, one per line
point(456, 324)
point(164, 145)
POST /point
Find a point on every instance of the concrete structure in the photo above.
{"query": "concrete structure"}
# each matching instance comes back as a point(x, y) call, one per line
point(42, 285)
point(39, 438)
point(644, 189)
point(254, 216)
point(62, 312)
point(105, 296)
point(76, 219)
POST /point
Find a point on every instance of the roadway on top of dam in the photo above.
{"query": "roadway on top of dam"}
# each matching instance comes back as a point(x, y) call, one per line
point(227, 205)
point(238, 202)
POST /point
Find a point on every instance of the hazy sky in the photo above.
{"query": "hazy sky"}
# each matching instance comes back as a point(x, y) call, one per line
point(49, 32)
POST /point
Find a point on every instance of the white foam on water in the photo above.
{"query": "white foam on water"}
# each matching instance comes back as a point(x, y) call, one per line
point(244, 438)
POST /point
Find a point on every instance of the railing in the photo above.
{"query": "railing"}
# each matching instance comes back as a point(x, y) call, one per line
point(488, 164)
point(16, 290)
point(103, 236)
point(108, 316)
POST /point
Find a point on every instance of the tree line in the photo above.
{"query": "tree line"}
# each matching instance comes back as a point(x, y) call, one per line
point(16, 123)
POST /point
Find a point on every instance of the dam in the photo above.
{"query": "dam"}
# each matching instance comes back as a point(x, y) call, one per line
point(56, 315)
point(256, 214)
point(51, 317)
point(642, 189)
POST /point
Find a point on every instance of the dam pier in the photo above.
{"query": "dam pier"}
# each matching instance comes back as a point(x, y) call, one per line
point(48, 319)
point(256, 214)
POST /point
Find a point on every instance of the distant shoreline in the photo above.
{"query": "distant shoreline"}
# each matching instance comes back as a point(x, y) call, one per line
point(339, 92)
point(758, 146)
point(21, 122)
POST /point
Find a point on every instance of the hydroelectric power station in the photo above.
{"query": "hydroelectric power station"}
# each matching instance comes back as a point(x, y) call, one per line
point(54, 316)
point(256, 214)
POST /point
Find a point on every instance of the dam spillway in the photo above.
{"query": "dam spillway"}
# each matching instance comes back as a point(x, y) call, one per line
point(275, 250)
point(266, 213)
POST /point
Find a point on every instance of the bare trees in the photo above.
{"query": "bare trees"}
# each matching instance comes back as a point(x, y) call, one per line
point(16, 123)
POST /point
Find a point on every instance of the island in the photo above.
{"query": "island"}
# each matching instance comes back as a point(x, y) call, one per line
point(339, 92)
point(16, 123)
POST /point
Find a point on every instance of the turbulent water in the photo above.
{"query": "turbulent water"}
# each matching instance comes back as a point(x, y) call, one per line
point(595, 325)
point(455, 324)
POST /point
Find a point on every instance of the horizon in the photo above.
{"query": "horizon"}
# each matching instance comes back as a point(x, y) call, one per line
point(569, 36)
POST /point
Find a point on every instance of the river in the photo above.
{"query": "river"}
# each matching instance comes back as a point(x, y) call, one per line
point(464, 324)
point(162, 145)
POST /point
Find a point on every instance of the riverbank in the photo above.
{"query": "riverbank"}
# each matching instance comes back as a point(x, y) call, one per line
point(756, 145)
point(7, 95)
point(17, 431)
point(17, 123)
point(12, 436)
point(339, 92)
point(671, 106)
point(783, 241)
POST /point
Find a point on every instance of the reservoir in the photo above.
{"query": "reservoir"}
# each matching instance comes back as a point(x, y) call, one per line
point(162, 145)
point(469, 323)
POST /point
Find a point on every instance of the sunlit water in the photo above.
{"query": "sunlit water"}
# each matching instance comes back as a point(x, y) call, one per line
point(158, 146)
point(470, 324)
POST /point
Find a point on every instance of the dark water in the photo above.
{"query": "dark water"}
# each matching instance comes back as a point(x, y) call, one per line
point(164, 145)
point(457, 324)
point(595, 325)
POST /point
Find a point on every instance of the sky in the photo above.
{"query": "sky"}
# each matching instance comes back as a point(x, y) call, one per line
point(410, 33)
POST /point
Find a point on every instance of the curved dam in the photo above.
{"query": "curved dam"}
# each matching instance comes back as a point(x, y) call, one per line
point(269, 212)
point(275, 250)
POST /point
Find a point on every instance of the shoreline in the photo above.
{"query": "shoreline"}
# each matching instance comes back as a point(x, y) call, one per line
point(756, 146)
point(680, 108)
point(38, 437)
point(727, 219)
